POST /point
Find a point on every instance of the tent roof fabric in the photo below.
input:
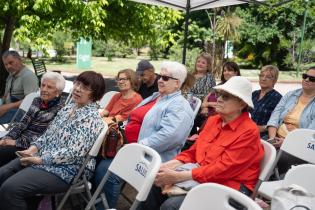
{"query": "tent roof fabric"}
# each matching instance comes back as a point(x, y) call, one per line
point(196, 4)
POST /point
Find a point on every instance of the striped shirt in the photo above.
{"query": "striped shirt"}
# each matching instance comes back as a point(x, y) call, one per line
point(34, 123)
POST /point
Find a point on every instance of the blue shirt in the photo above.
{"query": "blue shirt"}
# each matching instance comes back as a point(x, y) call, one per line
point(167, 124)
point(286, 104)
point(68, 139)
point(265, 106)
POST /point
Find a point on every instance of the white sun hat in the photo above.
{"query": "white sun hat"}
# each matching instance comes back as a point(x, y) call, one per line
point(240, 87)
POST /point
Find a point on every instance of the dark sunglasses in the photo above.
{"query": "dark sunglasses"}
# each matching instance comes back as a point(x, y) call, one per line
point(310, 78)
point(164, 77)
point(224, 95)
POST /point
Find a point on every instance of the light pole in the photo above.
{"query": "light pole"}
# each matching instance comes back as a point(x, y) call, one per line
point(298, 69)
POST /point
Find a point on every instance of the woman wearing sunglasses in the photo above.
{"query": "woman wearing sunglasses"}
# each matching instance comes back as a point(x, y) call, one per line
point(295, 110)
point(228, 151)
point(162, 121)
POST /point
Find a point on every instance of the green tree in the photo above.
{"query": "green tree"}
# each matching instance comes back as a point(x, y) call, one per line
point(271, 35)
point(36, 20)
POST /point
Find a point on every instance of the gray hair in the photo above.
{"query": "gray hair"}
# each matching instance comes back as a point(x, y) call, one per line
point(176, 70)
point(58, 78)
point(12, 53)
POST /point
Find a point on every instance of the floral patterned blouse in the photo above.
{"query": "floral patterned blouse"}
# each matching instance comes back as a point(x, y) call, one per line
point(203, 86)
point(68, 139)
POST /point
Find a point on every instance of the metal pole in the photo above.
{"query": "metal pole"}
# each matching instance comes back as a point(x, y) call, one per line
point(186, 31)
point(302, 39)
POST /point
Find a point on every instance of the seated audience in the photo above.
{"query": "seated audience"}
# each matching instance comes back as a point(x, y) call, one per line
point(20, 82)
point(230, 69)
point(147, 78)
point(49, 165)
point(228, 150)
point(295, 110)
point(122, 103)
point(36, 120)
point(203, 75)
point(161, 121)
point(266, 99)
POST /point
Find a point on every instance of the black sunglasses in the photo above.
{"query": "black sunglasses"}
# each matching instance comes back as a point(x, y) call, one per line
point(310, 78)
point(164, 77)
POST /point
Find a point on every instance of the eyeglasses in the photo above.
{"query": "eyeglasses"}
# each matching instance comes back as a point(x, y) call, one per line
point(122, 79)
point(264, 76)
point(310, 78)
point(164, 77)
point(81, 86)
point(224, 95)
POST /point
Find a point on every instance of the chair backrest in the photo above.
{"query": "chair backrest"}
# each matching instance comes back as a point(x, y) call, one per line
point(106, 98)
point(138, 165)
point(24, 107)
point(196, 105)
point(215, 196)
point(266, 164)
point(39, 68)
point(302, 175)
point(301, 144)
point(98, 143)
point(27, 101)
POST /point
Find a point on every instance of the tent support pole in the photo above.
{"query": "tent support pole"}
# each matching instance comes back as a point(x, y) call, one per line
point(186, 31)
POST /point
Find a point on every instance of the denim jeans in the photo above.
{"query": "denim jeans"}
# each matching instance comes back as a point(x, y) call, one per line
point(6, 117)
point(111, 187)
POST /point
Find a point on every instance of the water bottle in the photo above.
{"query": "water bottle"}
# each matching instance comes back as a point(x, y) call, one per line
point(111, 143)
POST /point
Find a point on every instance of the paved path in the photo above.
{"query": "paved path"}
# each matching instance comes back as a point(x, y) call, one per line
point(281, 87)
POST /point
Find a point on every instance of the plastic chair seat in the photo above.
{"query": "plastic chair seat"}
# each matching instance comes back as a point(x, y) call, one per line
point(267, 189)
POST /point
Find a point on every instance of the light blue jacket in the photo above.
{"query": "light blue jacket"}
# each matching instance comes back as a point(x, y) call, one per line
point(167, 124)
point(286, 104)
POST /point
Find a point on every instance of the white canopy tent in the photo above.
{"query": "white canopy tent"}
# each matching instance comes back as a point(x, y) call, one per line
point(194, 5)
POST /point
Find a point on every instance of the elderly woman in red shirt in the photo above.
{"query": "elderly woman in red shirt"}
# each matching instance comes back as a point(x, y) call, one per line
point(228, 150)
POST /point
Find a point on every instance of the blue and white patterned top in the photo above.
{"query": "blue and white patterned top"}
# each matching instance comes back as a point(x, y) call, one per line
point(203, 86)
point(67, 140)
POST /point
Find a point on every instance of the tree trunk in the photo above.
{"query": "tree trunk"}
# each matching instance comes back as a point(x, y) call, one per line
point(4, 46)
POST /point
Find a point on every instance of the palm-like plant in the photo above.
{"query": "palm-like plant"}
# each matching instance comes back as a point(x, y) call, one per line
point(227, 26)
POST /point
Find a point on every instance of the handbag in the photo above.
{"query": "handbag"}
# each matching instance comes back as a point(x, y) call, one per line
point(112, 142)
point(293, 197)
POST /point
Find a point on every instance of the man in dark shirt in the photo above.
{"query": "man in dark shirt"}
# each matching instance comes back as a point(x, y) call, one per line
point(147, 77)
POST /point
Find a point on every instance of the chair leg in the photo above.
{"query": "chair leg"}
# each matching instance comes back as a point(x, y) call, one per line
point(97, 192)
point(64, 199)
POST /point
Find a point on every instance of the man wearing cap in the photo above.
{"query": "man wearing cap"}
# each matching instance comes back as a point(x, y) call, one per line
point(20, 82)
point(148, 78)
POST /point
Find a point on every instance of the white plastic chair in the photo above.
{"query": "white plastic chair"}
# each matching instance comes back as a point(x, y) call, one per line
point(80, 183)
point(137, 165)
point(3, 133)
point(217, 197)
point(302, 175)
point(24, 107)
point(106, 98)
point(196, 105)
point(299, 143)
point(265, 165)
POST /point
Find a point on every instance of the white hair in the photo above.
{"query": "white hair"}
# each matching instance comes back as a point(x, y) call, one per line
point(176, 70)
point(58, 78)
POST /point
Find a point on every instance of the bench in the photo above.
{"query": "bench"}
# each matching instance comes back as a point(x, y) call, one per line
point(39, 67)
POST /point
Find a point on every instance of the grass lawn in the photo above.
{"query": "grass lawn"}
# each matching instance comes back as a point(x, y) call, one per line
point(110, 68)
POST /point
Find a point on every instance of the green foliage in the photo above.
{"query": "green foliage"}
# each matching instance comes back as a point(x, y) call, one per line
point(273, 34)
point(111, 49)
point(176, 53)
